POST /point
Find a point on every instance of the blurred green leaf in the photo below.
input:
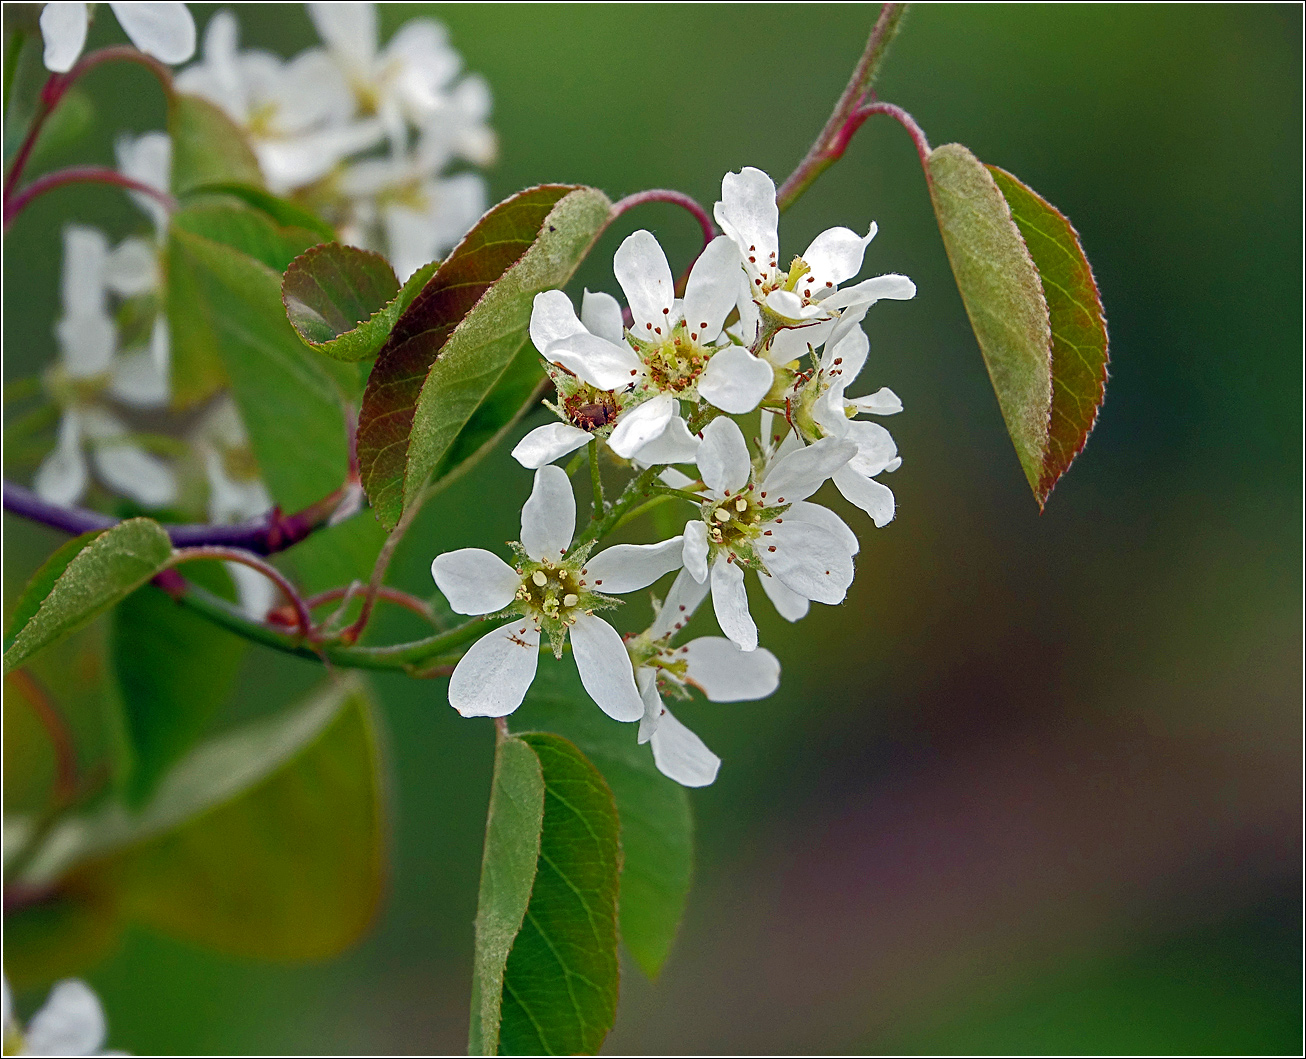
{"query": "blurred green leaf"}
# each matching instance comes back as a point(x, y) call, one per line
point(1079, 338)
point(67, 124)
point(266, 842)
point(560, 984)
point(461, 337)
point(512, 848)
point(245, 228)
point(207, 146)
point(283, 212)
point(292, 869)
point(657, 822)
point(227, 305)
point(174, 669)
point(106, 570)
point(344, 301)
point(1004, 299)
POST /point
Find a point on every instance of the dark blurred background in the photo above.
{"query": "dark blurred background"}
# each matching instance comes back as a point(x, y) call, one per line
point(1036, 785)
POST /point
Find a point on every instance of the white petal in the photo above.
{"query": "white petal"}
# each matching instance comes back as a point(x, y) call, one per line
point(803, 511)
point(735, 381)
point(61, 478)
point(836, 255)
point(641, 424)
point(672, 477)
point(164, 30)
point(868, 494)
point(748, 214)
point(605, 668)
point(85, 253)
point(475, 581)
point(627, 567)
point(800, 473)
point(137, 380)
point(730, 602)
point(71, 1022)
point(493, 677)
point(828, 411)
point(711, 289)
point(694, 555)
point(646, 680)
point(256, 593)
point(875, 448)
point(791, 343)
point(548, 443)
point(810, 560)
point(87, 342)
point(548, 518)
point(349, 28)
point(63, 29)
point(787, 304)
point(674, 445)
point(130, 470)
point(601, 315)
point(724, 673)
point(723, 457)
point(132, 267)
point(893, 465)
point(681, 755)
point(788, 603)
point(607, 365)
point(891, 287)
point(553, 318)
point(679, 606)
point(883, 402)
point(642, 270)
point(850, 351)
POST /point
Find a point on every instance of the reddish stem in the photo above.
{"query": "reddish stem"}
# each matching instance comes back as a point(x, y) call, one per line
point(80, 174)
point(392, 595)
point(61, 738)
point(676, 198)
point(238, 555)
point(898, 114)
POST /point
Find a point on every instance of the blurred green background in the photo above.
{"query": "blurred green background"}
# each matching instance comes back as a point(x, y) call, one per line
point(1035, 786)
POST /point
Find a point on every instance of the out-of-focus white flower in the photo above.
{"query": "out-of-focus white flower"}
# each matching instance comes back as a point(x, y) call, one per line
point(761, 520)
point(163, 30)
point(802, 305)
point(70, 1022)
point(90, 364)
point(236, 494)
point(148, 159)
point(300, 114)
point(552, 592)
point(715, 666)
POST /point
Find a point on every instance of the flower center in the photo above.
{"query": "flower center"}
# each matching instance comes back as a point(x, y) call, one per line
point(673, 366)
point(590, 408)
point(551, 592)
point(736, 520)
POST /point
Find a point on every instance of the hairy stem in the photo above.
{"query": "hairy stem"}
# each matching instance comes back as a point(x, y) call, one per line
point(676, 198)
point(637, 490)
point(596, 479)
point(830, 144)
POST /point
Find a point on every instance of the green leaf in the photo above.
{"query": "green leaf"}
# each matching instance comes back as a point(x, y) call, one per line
point(1079, 338)
point(283, 212)
point(102, 573)
point(512, 847)
point(657, 822)
point(1002, 294)
point(294, 868)
point(247, 229)
point(560, 984)
point(227, 306)
point(174, 669)
point(67, 125)
point(207, 146)
point(344, 301)
point(266, 842)
point(460, 338)
point(42, 581)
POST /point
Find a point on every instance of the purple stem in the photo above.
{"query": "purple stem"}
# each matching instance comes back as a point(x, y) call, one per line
point(80, 174)
point(272, 533)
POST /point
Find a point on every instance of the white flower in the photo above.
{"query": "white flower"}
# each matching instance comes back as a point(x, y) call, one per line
point(70, 1022)
point(299, 113)
point(713, 665)
point(802, 305)
point(549, 591)
point(236, 494)
point(90, 361)
point(761, 520)
point(676, 349)
point(163, 30)
point(820, 409)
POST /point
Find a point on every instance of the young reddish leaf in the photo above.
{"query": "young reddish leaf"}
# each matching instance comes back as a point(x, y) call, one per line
point(1003, 297)
point(344, 301)
point(1079, 338)
point(454, 344)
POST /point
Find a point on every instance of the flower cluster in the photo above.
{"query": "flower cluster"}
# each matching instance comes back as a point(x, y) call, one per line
point(658, 386)
point(365, 135)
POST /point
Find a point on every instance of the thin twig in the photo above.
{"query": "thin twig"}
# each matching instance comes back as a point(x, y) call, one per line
point(596, 479)
point(828, 147)
point(676, 198)
point(351, 633)
point(239, 555)
point(903, 118)
point(391, 595)
point(81, 174)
